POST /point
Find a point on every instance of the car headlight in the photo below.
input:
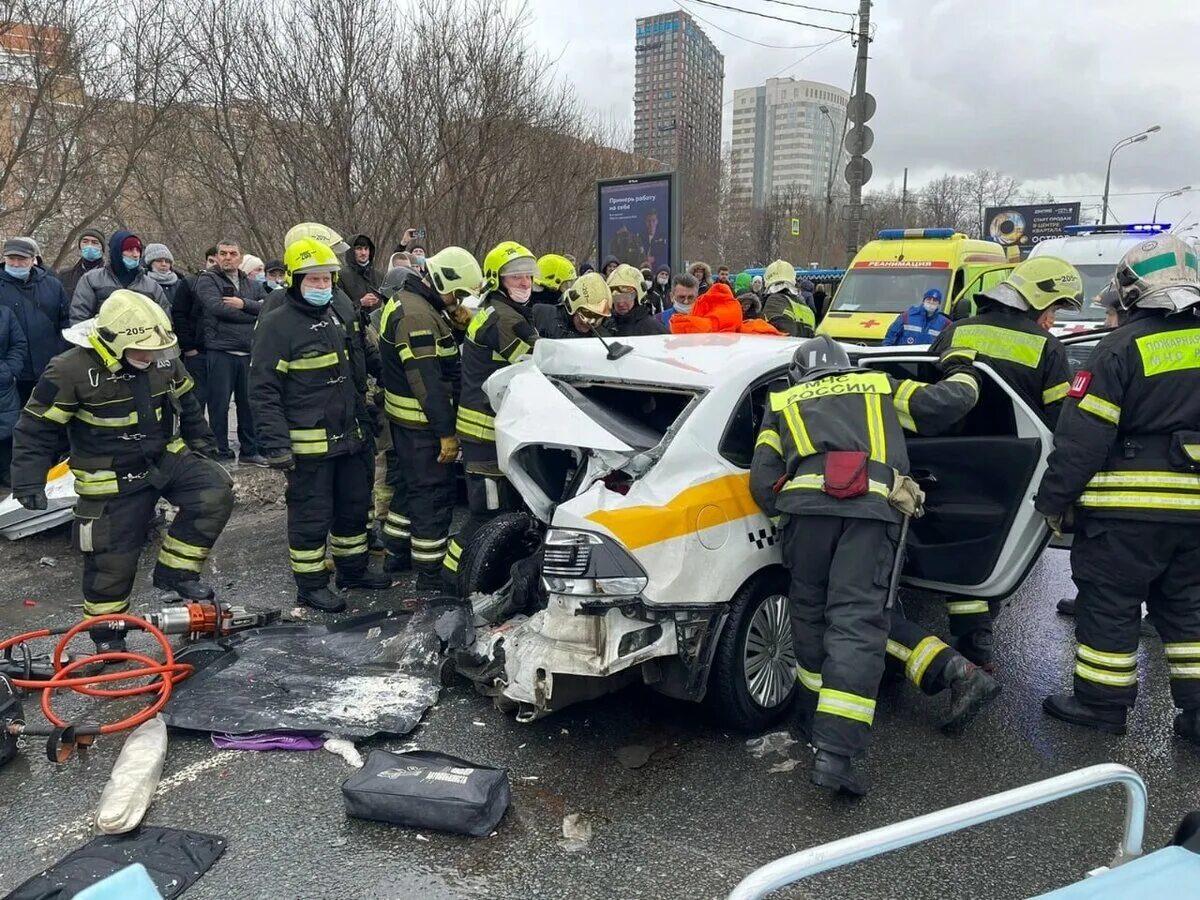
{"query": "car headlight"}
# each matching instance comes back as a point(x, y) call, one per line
point(586, 564)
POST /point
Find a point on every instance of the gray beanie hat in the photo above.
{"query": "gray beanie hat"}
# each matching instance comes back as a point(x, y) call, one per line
point(156, 251)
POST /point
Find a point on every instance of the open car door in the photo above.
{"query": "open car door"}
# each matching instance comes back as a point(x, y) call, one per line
point(980, 534)
point(1080, 347)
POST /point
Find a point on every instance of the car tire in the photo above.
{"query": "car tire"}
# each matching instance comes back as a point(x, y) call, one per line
point(752, 684)
point(488, 560)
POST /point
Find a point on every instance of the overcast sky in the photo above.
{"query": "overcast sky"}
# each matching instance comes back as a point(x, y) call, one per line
point(1040, 89)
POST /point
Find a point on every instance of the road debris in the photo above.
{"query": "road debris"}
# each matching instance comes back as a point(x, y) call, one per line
point(577, 833)
point(634, 756)
point(48, 561)
point(345, 749)
point(775, 742)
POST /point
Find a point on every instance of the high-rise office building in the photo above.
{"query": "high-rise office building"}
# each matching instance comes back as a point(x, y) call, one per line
point(677, 93)
point(785, 133)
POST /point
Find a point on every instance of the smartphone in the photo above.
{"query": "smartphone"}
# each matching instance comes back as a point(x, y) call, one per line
point(420, 234)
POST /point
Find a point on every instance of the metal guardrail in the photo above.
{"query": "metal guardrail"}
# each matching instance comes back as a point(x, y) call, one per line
point(796, 866)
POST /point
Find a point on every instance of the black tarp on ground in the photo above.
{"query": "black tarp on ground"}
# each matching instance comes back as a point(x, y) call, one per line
point(368, 675)
point(175, 860)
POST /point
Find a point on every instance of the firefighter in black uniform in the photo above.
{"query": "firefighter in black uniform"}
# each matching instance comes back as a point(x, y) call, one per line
point(585, 309)
point(1127, 457)
point(421, 383)
point(831, 460)
point(312, 422)
point(1012, 335)
point(500, 333)
point(783, 306)
point(127, 404)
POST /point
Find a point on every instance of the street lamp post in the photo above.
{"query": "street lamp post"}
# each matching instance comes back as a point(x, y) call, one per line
point(828, 181)
point(1167, 195)
point(1124, 142)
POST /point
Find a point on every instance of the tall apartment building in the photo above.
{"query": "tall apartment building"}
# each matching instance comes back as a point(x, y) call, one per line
point(677, 93)
point(782, 140)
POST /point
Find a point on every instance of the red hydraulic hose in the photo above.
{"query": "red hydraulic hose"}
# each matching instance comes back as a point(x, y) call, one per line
point(165, 674)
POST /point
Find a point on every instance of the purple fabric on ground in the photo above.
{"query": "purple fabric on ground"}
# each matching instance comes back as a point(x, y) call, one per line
point(268, 740)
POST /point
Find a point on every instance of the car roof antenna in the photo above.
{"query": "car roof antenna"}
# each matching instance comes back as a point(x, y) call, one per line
point(616, 349)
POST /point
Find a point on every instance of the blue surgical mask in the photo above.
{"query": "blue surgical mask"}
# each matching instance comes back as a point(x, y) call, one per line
point(418, 259)
point(317, 296)
point(272, 284)
point(130, 264)
point(261, 277)
point(90, 253)
point(21, 272)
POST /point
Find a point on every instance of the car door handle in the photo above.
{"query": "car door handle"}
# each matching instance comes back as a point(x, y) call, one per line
point(924, 476)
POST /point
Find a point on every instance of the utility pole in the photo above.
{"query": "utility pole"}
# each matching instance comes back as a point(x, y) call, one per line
point(904, 200)
point(857, 169)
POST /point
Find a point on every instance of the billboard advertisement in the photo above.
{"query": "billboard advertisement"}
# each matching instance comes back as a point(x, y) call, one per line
point(638, 220)
point(1024, 226)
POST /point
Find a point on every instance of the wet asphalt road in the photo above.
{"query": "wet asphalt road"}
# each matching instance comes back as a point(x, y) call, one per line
point(698, 816)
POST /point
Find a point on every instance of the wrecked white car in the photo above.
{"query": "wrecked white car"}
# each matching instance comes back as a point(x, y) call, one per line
point(645, 558)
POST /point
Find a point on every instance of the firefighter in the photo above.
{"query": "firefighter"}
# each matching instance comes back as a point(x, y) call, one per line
point(133, 422)
point(421, 382)
point(555, 275)
point(830, 459)
point(312, 424)
point(1127, 457)
point(1011, 334)
point(586, 310)
point(783, 306)
point(500, 333)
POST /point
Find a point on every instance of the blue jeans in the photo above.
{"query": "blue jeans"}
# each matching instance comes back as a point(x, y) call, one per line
point(229, 376)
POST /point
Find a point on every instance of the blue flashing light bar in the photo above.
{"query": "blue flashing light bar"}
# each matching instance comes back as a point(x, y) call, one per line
point(1130, 228)
point(901, 234)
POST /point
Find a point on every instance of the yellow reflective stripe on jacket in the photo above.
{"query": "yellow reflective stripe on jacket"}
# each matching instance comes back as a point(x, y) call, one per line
point(1001, 343)
point(1055, 393)
point(769, 437)
point(1104, 658)
point(445, 346)
point(799, 311)
point(1174, 351)
point(54, 413)
point(817, 483)
point(799, 433)
point(476, 424)
point(407, 409)
point(833, 386)
point(183, 387)
point(1101, 408)
point(901, 400)
point(1165, 480)
point(308, 363)
point(1140, 500)
point(95, 484)
point(1102, 676)
point(478, 321)
point(515, 351)
point(846, 705)
point(309, 441)
point(964, 378)
point(176, 445)
point(876, 430)
point(810, 680)
point(923, 656)
point(107, 422)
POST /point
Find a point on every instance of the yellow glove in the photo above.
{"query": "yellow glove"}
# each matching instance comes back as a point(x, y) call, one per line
point(449, 451)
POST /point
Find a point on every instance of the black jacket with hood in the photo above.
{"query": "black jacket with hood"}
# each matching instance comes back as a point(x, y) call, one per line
point(357, 279)
point(95, 286)
point(639, 321)
point(657, 297)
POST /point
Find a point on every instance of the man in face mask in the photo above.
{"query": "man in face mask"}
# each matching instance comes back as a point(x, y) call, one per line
point(124, 270)
point(275, 273)
point(631, 314)
point(920, 323)
point(313, 426)
point(684, 291)
point(39, 305)
point(660, 287)
point(91, 256)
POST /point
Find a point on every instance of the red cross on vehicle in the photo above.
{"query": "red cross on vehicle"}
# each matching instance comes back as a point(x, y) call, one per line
point(870, 323)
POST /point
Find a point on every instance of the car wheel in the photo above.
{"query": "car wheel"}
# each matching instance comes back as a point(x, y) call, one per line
point(753, 680)
point(499, 543)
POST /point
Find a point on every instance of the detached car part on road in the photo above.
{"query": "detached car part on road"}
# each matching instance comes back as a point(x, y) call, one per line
point(645, 558)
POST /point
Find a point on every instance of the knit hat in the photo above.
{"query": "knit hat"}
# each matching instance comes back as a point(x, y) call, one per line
point(21, 246)
point(133, 242)
point(157, 251)
point(93, 233)
point(250, 263)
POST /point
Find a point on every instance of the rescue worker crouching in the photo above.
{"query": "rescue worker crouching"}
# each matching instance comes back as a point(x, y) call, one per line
point(585, 310)
point(1011, 334)
point(130, 413)
point(830, 456)
point(421, 375)
point(500, 333)
point(783, 307)
point(632, 317)
point(311, 422)
point(1127, 459)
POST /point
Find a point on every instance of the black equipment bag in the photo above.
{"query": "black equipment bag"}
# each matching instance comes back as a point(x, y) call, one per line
point(424, 789)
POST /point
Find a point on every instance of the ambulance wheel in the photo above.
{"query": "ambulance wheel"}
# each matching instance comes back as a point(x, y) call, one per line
point(753, 679)
point(499, 543)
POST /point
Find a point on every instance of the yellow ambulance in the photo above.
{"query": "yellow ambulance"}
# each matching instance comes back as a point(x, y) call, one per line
point(893, 272)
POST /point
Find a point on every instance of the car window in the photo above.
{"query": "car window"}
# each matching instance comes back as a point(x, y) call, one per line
point(993, 414)
point(741, 434)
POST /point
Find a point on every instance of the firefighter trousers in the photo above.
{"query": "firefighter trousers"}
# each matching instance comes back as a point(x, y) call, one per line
point(329, 499)
point(487, 497)
point(418, 519)
point(111, 531)
point(839, 572)
point(971, 621)
point(1117, 565)
point(920, 654)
